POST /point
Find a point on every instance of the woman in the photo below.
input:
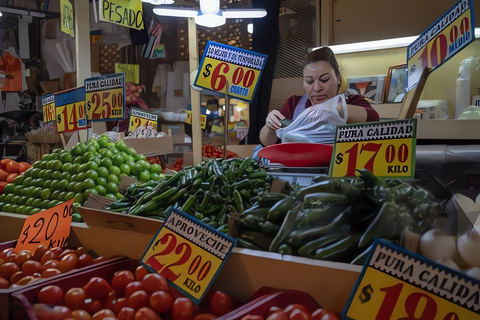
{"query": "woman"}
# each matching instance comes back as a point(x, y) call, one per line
point(321, 81)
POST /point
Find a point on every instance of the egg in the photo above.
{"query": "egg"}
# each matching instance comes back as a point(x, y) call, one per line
point(469, 246)
point(437, 244)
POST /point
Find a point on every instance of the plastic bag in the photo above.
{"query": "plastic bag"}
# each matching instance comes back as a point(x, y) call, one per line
point(316, 124)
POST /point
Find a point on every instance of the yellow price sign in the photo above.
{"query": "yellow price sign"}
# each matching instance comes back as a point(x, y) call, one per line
point(203, 119)
point(397, 284)
point(240, 68)
point(188, 253)
point(70, 110)
point(140, 118)
point(48, 108)
point(443, 39)
point(105, 98)
point(387, 149)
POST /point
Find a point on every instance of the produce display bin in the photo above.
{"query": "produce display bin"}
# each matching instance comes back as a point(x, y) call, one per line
point(260, 306)
point(22, 300)
point(6, 294)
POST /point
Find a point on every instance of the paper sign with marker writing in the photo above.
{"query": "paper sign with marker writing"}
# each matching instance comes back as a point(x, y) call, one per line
point(66, 17)
point(132, 72)
point(189, 253)
point(127, 13)
point(50, 228)
point(398, 284)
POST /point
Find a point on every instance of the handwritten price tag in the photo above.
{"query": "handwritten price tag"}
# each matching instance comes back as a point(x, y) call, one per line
point(241, 68)
point(203, 119)
point(443, 39)
point(48, 108)
point(398, 284)
point(105, 97)
point(387, 149)
point(139, 118)
point(70, 110)
point(50, 228)
point(188, 253)
point(66, 17)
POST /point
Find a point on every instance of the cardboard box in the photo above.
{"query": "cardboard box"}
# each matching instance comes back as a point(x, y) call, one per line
point(152, 146)
point(175, 129)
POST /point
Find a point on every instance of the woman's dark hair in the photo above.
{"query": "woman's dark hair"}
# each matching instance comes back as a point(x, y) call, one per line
point(323, 54)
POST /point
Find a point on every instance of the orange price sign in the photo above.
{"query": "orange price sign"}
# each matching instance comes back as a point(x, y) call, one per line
point(189, 253)
point(241, 68)
point(70, 110)
point(48, 108)
point(50, 228)
point(105, 97)
point(398, 284)
point(386, 148)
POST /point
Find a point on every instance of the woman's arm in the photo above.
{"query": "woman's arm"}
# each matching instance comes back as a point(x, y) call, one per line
point(268, 133)
point(360, 110)
point(356, 114)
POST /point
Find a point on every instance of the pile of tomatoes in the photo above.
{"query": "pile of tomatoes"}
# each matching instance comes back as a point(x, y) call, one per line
point(10, 169)
point(21, 268)
point(138, 295)
point(294, 311)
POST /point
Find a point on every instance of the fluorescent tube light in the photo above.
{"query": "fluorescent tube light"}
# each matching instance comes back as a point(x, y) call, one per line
point(210, 20)
point(250, 28)
point(377, 45)
point(210, 6)
point(244, 13)
point(159, 2)
point(175, 12)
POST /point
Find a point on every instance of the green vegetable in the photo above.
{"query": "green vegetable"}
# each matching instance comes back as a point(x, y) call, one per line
point(339, 249)
point(308, 249)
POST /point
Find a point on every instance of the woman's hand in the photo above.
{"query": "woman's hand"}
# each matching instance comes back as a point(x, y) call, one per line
point(273, 120)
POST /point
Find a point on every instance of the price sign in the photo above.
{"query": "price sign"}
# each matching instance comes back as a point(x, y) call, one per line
point(189, 253)
point(50, 228)
point(140, 118)
point(132, 71)
point(48, 108)
point(241, 68)
point(203, 119)
point(105, 98)
point(443, 39)
point(398, 284)
point(386, 148)
point(66, 17)
point(70, 110)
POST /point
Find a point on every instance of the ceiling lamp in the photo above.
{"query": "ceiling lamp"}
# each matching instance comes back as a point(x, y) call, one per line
point(159, 1)
point(210, 14)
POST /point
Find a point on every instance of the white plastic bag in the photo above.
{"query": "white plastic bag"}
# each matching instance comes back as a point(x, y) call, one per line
point(316, 124)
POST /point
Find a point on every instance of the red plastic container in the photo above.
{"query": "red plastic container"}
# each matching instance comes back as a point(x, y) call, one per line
point(6, 294)
point(22, 300)
point(298, 154)
point(260, 305)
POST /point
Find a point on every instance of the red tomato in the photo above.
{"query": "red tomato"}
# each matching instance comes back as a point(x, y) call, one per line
point(68, 262)
point(81, 251)
point(126, 314)
point(153, 282)
point(273, 310)
point(100, 259)
point(279, 315)
point(12, 256)
point(110, 301)
point(39, 252)
point(137, 300)
point(64, 253)
point(75, 298)
point(92, 306)
point(103, 314)
point(26, 280)
point(97, 288)
point(318, 314)
point(290, 308)
point(51, 254)
point(221, 303)
point(4, 284)
point(5, 253)
point(8, 269)
point(175, 294)
point(298, 314)
point(81, 315)
point(12, 167)
point(161, 301)
point(50, 264)
point(121, 303)
point(30, 267)
point(2, 261)
point(85, 260)
point(50, 295)
point(16, 277)
point(140, 273)
point(331, 316)
point(146, 314)
point(132, 287)
point(207, 316)
point(50, 273)
point(121, 279)
point(183, 309)
point(22, 257)
point(46, 312)
point(11, 177)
